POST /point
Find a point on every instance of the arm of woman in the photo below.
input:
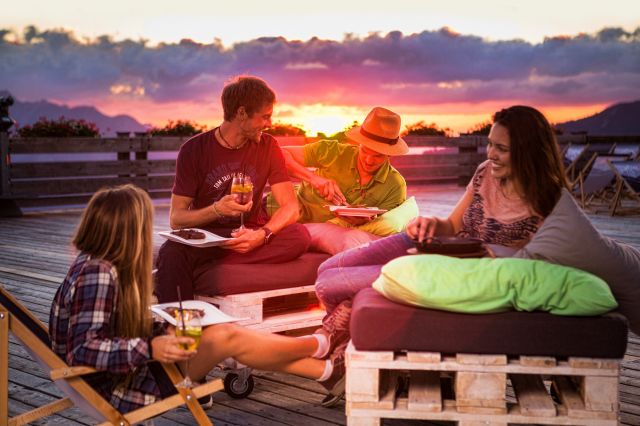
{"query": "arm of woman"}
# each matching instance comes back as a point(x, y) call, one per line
point(91, 339)
point(427, 226)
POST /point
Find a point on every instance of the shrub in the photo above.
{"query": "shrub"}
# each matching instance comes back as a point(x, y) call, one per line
point(61, 127)
point(283, 129)
point(422, 129)
point(179, 128)
point(482, 129)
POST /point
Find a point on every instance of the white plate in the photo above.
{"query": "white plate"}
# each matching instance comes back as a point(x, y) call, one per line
point(210, 239)
point(356, 211)
point(212, 315)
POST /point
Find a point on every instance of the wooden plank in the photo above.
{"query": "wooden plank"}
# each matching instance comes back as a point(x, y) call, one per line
point(424, 391)
point(533, 398)
point(85, 186)
point(91, 168)
point(573, 403)
point(599, 393)
point(480, 390)
point(538, 361)
point(72, 145)
point(474, 359)
point(363, 385)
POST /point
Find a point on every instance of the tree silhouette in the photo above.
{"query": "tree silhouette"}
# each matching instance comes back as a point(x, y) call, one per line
point(179, 128)
point(285, 129)
point(422, 129)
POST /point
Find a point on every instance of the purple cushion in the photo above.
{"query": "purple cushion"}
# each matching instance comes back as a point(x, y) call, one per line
point(380, 324)
point(223, 280)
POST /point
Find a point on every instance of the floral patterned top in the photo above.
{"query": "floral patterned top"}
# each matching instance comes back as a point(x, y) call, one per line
point(495, 218)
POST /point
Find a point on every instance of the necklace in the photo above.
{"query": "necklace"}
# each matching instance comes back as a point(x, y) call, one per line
point(226, 142)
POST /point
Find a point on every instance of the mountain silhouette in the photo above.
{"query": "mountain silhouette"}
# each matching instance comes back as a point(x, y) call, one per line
point(621, 119)
point(25, 113)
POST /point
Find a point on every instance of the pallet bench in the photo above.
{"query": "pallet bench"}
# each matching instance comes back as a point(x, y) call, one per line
point(275, 311)
point(573, 391)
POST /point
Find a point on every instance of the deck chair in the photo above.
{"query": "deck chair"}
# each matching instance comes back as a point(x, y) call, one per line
point(572, 156)
point(595, 181)
point(627, 175)
point(34, 337)
point(632, 150)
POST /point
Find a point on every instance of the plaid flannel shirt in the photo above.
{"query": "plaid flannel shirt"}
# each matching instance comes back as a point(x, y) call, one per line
point(81, 327)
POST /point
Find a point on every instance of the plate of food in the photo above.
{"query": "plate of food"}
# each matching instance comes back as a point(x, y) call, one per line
point(356, 211)
point(208, 313)
point(194, 237)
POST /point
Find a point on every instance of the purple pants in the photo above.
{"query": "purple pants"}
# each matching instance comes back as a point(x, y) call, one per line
point(180, 264)
point(342, 276)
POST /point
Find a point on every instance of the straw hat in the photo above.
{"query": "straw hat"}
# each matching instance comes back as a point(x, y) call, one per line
point(380, 132)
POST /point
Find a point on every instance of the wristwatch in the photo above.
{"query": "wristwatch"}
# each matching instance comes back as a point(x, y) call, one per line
point(267, 235)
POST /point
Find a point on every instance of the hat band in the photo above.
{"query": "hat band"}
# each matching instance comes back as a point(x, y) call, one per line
point(377, 138)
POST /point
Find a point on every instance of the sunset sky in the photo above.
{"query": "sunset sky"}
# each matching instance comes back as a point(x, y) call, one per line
point(449, 62)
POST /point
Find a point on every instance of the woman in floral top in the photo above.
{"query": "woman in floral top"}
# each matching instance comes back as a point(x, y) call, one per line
point(504, 204)
point(100, 316)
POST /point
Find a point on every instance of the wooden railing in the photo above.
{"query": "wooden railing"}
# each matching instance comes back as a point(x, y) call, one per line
point(35, 182)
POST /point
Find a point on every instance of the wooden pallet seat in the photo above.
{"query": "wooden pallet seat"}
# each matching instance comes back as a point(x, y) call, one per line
point(495, 369)
point(272, 297)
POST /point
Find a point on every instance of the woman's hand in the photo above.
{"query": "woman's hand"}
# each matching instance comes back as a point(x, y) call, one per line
point(422, 227)
point(168, 348)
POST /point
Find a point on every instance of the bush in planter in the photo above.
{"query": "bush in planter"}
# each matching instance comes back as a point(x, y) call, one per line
point(179, 128)
point(61, 127)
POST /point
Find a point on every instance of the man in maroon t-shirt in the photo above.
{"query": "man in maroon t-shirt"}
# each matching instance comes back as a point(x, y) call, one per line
point(201, 194)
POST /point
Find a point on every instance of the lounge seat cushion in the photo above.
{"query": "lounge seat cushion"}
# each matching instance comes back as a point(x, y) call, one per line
point(493, 285)
point(380, 324)
point(223, 280)
point(567, 237)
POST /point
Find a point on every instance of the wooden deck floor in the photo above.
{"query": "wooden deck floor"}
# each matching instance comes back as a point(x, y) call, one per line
point(35, 253)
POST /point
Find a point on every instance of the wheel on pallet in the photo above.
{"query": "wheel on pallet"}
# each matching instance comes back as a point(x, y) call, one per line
point(237, 388)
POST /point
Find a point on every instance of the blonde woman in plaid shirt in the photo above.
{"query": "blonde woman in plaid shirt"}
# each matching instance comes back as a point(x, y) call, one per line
point(100, 317)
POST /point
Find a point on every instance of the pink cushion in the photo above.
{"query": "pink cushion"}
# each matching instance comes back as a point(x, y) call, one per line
point(223, 280)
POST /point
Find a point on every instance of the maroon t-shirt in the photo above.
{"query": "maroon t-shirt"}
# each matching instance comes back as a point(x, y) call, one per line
point(204, 171)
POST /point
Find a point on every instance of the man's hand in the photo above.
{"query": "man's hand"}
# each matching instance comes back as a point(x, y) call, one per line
point(328, 189)
point(245, 240)
point(228, 206)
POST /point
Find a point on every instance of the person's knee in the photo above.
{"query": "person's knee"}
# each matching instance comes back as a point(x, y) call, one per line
point(169, 252)
point(221, 334)
point(298, 238)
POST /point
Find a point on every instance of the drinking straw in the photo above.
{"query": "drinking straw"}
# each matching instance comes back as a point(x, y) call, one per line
point(184, 327)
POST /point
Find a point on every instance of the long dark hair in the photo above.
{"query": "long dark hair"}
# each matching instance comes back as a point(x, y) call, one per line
point(535, 156)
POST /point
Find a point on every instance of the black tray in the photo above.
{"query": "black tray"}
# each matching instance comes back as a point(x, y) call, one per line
point(453, 246)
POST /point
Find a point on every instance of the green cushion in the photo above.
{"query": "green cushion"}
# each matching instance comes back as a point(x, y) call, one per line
point(493, 285)
point(389, 223)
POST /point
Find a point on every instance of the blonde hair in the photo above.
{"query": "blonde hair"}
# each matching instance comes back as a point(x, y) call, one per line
point(117, 226)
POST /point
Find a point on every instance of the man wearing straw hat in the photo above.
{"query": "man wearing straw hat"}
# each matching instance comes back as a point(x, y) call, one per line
point(352, 174)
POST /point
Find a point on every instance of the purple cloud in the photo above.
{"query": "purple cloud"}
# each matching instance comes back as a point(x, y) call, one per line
point(428, 67)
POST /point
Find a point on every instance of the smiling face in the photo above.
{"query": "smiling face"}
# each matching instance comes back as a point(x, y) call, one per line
point(370, 161)
point(499, 152)
point(251, 127)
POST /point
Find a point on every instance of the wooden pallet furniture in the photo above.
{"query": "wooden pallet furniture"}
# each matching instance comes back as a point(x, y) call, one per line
point(572, 391)
point(275, 311)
